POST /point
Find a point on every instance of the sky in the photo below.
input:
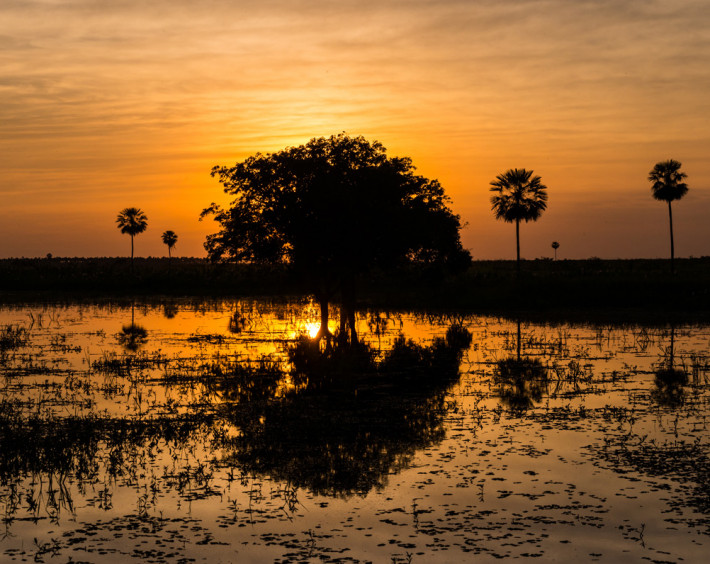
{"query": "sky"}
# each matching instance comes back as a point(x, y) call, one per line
point(106, 105)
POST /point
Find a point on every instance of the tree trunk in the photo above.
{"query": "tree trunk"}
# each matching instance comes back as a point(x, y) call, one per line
point(351, 321)
point(670, 219)
point(517, 243)
point(323, 331)
point(347, 312)
point(131, 253)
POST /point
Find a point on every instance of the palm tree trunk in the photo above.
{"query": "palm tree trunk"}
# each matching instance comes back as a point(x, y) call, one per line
point(670, 219)
point(131, 253)
point(517, 243)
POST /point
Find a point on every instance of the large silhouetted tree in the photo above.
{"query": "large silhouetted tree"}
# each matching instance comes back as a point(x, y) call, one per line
point(132, 221)
point(519, 196)
point(332, 209)
point(667, 185)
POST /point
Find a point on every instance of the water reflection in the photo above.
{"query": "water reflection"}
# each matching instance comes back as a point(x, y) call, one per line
point(354, 420)
point(132, 337)
point(670, 381)
point(521, 380)
point(259, 441)
point(335, 421)
point(170, 310)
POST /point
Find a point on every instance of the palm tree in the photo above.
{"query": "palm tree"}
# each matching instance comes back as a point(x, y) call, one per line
point(555, 245)
point(519, 196)
point(169, 238)
point(667, 185)
point(133, 222)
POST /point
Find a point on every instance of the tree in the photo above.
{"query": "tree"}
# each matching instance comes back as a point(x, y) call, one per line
point(667, 185)
point(519, 196)
point(555, 246)
point(331, 210)
point(132, 221)
point(169, 238)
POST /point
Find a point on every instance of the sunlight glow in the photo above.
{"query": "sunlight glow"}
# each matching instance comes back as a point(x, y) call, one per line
point(312, 328)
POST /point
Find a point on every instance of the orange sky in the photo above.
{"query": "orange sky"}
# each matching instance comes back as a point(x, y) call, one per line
point(106, 105)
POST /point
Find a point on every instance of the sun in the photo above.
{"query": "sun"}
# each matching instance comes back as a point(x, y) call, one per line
point(312, 328)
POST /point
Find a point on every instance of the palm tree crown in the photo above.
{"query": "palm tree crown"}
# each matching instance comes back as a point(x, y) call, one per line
point(169, 238)
point(520, 196)
point(667, 181)
point(132, 221)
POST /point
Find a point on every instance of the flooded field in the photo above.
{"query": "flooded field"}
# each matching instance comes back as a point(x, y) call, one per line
point(215, 432)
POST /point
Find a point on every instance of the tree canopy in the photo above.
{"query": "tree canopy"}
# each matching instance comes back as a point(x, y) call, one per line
point(518, 196)
point(667, 181)
point(132, 221)
point(332, 208)
point(170, 238)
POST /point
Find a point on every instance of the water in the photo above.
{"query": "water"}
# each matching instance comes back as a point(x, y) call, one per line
point(187, 432)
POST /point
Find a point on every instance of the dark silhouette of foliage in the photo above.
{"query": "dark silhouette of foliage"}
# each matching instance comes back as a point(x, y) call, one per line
point(132, 221)
point(352, 421)
point(170, 238)
point(333, 209)
point(555, 246)
point(519, 196)
point(667, 185)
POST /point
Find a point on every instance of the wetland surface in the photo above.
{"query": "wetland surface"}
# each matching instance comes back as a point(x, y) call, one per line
point(213, 432)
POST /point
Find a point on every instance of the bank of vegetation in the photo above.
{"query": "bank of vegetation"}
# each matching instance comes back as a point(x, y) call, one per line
point(542, 285)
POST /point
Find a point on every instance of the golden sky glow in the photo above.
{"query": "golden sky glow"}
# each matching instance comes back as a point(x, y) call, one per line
point(106, 105)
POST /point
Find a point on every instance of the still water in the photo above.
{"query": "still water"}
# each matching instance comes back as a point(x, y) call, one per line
point(213, 432)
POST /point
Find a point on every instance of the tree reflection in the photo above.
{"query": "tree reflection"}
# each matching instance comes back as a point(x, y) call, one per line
point(132, 337)
point(521, 380)
point(354, 420)
point(337, 422)
point(669, 380)
point(170, 310)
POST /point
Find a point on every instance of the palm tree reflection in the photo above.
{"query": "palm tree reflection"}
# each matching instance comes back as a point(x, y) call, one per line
point(132, 337)
point(521, 381)
point(670, 381)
